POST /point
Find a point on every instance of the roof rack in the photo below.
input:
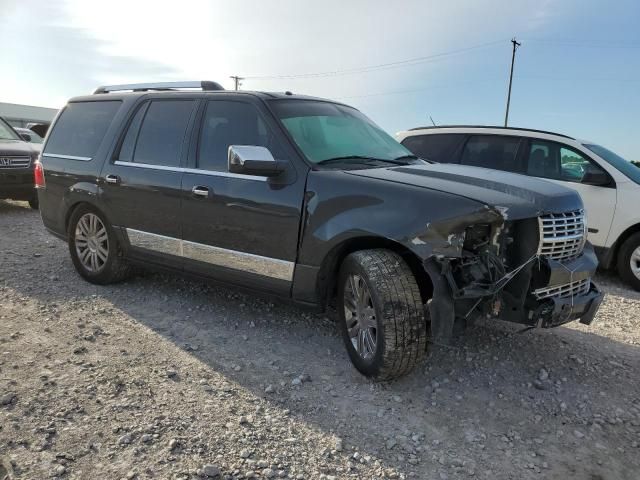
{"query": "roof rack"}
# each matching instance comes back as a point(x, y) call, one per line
point(205, 85)
point(492, 126)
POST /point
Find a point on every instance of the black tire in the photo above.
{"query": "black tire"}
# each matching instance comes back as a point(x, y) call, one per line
point(33, 202)
point(115, 268)
point(401, 327)
point(624, 260)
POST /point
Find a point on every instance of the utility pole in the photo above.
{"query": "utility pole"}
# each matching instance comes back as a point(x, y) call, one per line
point(513, 59)
point(237, 81)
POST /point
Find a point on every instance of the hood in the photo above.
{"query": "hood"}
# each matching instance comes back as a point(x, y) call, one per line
point(16, 148)
point(516, 196)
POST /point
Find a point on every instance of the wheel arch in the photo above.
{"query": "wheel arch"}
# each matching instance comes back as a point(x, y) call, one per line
point(330, 266)
point(81, 193)
point(611, 259)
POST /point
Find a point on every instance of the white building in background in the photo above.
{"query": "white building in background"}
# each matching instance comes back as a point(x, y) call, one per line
point(21, 115)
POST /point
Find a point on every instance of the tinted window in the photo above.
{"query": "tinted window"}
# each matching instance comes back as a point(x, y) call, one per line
point(438, 147)
point(129, 142)
point(162, 132)
point(231, 123)
point(81, 128)
point(558, 162)
point(492, 151)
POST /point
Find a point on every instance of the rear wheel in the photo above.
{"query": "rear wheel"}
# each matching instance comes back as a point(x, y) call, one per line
point(94, 247)
point(382, 317)
point(629, 261)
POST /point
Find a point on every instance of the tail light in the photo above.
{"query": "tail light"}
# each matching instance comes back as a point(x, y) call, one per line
point(38, 174)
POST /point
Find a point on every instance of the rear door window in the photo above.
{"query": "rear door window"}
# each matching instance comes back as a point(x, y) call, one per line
point(129, 143)
point(161, 134)
point(493, 151)
point(439, 148)
point(80, 129)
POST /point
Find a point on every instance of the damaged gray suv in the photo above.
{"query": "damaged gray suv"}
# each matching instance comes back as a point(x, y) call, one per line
point(307, 199)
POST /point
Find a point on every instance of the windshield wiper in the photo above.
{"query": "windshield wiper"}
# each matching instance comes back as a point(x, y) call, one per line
point(346, 158)
point(413, 157)
point(407, 157)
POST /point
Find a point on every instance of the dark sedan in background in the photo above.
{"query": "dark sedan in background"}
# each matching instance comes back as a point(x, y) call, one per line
point(17, 158)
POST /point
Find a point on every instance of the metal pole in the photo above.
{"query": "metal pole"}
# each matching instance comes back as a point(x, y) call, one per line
point(513, 59)
point(237, 81)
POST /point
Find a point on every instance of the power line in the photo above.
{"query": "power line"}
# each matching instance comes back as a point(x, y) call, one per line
point(381, 66)
point(422, 89)
point(577, 43)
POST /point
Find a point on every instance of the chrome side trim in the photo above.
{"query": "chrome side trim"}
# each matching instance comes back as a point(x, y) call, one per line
point(213, 173)
point(192, 170)
point(149, 166)
point(154, 242)
point(222, 257)
point(66, 157)
point(246, 262)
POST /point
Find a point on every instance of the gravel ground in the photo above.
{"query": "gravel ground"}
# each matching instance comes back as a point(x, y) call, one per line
point(166, 378)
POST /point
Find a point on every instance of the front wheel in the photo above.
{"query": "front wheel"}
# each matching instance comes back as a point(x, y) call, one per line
point(629, 261)
point(382, 317)
point(94, 248)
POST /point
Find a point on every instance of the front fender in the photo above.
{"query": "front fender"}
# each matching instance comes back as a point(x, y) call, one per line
point(340, 207)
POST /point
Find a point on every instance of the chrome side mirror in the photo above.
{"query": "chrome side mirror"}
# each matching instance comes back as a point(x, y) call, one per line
point(253, 160)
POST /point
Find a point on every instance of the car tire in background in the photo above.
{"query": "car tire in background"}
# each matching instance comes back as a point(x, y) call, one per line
point(33, 202)
point(629, 261)
point(94, 247)
point(381, 314)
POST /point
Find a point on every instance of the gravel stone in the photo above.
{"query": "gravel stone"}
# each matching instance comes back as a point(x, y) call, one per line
point(496, 403)
point(211, 471)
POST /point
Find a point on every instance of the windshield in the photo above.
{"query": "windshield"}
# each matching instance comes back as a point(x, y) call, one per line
point(6, 132)
point(624, 166)
point(328, 131)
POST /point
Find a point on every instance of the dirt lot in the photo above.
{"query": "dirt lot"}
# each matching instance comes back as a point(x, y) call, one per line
point(165, 378)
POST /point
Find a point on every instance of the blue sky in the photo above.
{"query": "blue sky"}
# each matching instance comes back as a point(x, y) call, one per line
point(577, 72)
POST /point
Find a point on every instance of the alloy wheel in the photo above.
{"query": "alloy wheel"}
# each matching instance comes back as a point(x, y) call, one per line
point(634, 262)
point(360, 316)
point(92, 242)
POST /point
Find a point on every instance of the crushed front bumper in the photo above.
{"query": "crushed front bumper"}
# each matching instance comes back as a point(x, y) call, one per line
point(557, 311)
point(568, 293)
point(545, 293)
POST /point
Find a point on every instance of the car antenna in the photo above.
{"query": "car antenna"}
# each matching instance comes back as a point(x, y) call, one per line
point(431, 118)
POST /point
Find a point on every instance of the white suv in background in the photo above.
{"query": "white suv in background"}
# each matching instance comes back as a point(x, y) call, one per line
point(609, 184)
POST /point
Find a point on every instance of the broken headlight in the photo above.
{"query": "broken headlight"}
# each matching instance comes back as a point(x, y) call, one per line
point(476, 237)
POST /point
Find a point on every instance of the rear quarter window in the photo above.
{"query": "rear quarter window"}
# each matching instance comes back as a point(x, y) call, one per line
point(439, 148)
point(79, 130)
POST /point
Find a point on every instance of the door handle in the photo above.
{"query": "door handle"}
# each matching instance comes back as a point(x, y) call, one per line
point(114, 179)
point(199, 191)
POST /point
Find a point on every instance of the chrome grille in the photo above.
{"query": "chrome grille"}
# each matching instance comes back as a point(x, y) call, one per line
point(562, 234)
point(579, 287)
point(14, 162)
